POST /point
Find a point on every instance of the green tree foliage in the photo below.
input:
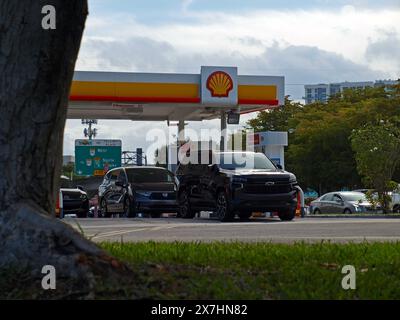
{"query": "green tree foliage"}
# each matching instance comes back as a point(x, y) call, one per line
point(277, 119)
point(320, 151)
point(68, 170)
point(377, 153)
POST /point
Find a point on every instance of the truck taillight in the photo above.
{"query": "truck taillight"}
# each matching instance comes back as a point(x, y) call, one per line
point(58, 206)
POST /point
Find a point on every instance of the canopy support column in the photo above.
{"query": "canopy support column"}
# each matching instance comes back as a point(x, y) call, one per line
point(223, 131)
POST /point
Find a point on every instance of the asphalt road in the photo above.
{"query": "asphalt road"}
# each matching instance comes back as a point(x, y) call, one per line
point(260, 229)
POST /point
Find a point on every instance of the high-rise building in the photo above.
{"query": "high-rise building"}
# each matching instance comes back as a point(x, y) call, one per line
point(317, 92)
point(322, 92)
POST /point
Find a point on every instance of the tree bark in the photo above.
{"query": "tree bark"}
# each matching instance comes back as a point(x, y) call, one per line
point(36, 70)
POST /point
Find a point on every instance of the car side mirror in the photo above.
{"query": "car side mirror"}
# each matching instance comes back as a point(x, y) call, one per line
point(80, 188)
point(279, 167)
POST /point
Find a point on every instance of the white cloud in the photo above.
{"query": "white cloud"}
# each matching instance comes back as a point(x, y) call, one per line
point(346, 31)
point(186, 4)
point(304, 46)
point(384, 53)
point(299, 64)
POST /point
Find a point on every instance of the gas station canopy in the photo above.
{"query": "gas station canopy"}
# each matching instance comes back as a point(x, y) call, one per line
point(165, 96)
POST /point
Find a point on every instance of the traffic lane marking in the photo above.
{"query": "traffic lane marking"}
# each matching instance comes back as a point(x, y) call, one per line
point(121, 232)
point(324, 233)
point(175, 223)
point(238, 224)
point(231, 227)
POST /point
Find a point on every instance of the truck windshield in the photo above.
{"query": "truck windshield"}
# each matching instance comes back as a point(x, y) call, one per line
point(148, 175)
point(237, 160)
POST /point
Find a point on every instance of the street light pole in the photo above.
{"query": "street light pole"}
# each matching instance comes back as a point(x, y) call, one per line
point(89, 132)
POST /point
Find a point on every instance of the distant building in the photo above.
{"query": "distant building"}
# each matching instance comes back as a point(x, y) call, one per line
point(322, 92)
point(387, 84)
point(68, 160)
point(381, 83)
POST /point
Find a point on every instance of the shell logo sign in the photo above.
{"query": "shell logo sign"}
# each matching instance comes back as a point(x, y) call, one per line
point(219, 83)
point(219, 86)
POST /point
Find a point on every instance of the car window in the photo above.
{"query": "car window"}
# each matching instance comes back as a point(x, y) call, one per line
point(149, 175)
point(114, 175)
point(122, 176)
point(327, 197)
point(106, 178)
point(336, 197)
point(233, 161)
point(356, 196)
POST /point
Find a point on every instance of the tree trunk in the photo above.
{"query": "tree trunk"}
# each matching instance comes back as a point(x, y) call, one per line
point(36, 70)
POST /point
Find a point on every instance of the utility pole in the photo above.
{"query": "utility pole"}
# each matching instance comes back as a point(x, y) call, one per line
point(89, 132)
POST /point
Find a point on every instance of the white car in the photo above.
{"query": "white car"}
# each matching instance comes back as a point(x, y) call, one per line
point(395, 202)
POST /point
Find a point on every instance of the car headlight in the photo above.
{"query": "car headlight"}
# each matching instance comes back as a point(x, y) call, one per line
point(143, 193)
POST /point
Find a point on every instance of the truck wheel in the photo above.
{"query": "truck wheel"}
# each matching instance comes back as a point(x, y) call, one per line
point(103, 208)
point(185, 211)
point(85, 213)
point(287, 215)
point(396, 209)
point(223, 208)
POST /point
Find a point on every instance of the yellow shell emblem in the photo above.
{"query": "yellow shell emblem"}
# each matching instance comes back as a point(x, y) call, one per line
point(220, 84)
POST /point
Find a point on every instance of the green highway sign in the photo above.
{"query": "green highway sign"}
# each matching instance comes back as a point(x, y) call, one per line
point(96, 157)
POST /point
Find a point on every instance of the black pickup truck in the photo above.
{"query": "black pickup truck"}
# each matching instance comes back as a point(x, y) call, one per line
point(236, 183)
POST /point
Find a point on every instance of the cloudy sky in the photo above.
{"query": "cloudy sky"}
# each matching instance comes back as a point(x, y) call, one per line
point(305, 41)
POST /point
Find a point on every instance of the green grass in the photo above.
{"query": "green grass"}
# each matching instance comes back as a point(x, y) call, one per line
point(233, 271)
point(263, 270)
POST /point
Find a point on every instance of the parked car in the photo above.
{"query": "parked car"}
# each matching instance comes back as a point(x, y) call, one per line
point(74, 199)
point(236, 183)
point(394, 199)
point(130, 190)
point(342, 202)
point(395, 202)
